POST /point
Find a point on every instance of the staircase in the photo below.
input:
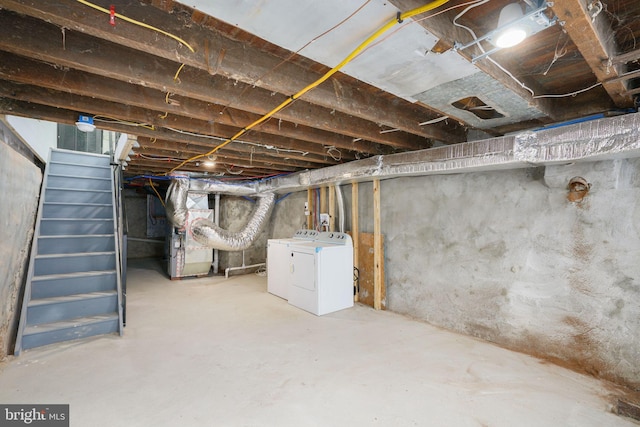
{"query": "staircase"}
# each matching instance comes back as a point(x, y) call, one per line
point(73, 285)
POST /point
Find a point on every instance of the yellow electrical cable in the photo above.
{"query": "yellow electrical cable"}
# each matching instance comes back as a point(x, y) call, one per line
point(133, 21)
point(356, 51)
point(156, 191)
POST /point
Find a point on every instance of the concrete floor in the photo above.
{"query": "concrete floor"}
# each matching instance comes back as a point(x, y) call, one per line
point(216, 352)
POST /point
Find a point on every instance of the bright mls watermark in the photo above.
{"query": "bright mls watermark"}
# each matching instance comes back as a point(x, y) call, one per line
point(34, 415)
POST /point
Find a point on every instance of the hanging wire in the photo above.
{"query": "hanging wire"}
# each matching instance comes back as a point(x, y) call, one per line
point(434, 4)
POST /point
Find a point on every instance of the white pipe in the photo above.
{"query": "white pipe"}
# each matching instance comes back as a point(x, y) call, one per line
point(340, 207)
point(216, 220)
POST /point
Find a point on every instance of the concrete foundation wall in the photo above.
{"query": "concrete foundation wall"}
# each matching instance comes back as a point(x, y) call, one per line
point(138, 244)
point(235, 212)
point(20, 183)
point(504, 256)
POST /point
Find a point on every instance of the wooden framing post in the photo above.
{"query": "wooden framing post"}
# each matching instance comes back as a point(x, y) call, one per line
point(355, 230)
point(378, 251)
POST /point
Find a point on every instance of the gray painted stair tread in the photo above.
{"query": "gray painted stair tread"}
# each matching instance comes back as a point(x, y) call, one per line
point(70, 298)
point(75, 254)
point(76, 219)
point(74, 236)
point(72, 275)
point(86, 190)
point(77, 204)
point(68, 324)
point(58, 162)
point(61, 175)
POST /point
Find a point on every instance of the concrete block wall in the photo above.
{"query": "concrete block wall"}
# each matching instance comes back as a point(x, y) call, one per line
point(20, 182)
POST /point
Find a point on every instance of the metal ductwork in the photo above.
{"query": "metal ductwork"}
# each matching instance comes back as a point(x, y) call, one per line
point(206, 232)
point(209, 234)
point(593, 140)
point(601, 139)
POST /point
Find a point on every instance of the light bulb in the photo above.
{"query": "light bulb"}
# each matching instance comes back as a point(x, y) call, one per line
point(511, 37)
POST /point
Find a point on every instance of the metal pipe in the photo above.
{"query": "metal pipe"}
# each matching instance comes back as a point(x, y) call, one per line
point(216, 220)
point(340, 200)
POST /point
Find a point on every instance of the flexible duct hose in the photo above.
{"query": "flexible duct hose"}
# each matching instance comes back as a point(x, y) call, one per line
point(209, 234)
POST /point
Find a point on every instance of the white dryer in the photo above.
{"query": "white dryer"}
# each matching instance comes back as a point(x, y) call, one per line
point(278, 261)
point(321, 273)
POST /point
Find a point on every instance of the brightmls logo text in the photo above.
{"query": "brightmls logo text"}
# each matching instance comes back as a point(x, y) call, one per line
point(34, 415)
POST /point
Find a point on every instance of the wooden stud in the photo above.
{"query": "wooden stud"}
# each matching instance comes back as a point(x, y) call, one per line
point(377, 247)
point(355, 229)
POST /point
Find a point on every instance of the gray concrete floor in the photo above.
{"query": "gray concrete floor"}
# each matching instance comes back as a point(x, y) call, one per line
point(216, 352)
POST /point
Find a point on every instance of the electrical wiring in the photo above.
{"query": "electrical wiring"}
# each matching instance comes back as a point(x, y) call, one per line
point(133, 21)
point(436, 120)
point(401, 16)
point(507, 72)
point(287, 59)
point(217, 138)
point(156, 191)
point(107, 119)
point(566, 95)
point(331, 150)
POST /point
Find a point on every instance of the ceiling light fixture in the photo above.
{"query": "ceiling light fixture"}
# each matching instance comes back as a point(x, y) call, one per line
point(514, 26)
point(512, 34)
point(85, 123)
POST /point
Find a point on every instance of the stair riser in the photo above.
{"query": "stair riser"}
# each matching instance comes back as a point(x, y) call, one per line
point(75, 227)
point(76, 211)
point(73, 245)
point(73, 264)
point(79, 171)
point(79, 183)
point(38, 340)
point(56, 312)
point(80, 158)
point(77, 196)
point(59, 287)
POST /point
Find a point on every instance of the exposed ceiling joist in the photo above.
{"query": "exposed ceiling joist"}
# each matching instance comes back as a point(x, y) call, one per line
point(590, 31)
point(216, 54)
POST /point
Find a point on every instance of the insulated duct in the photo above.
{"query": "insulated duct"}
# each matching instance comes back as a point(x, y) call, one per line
point(209, 234)
point(609, 138)
point(176, 202)
point(206, 232)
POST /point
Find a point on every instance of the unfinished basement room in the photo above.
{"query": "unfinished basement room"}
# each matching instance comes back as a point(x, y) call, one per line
point(320, 213)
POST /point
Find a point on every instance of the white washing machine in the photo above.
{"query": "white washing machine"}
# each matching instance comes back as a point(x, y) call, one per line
point(278, 261)
point(321, 273)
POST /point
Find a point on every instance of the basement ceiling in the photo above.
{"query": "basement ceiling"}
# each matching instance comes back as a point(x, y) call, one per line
point(187, 79)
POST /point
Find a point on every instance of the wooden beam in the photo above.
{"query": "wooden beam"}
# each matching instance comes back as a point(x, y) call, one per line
point(237, 60)
point(624, 58)
point(594, 41)
point(39, 40)
point(154, 85)
point(378, 250)
point(355, 230)
point(441, 27)
point(116, 112)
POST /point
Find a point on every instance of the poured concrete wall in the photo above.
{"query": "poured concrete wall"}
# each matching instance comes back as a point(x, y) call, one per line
point(20, 183)
point(139, 245)
point(504, 256)
point(235, 212)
